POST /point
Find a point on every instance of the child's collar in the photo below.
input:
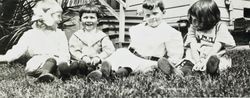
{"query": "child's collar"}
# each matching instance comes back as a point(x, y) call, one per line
point(92, 31)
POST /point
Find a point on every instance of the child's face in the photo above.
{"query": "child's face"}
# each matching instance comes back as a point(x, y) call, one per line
point(89, 21)
point(52, 19)
point(153, 17)
point(57, 17)
point(196, 23)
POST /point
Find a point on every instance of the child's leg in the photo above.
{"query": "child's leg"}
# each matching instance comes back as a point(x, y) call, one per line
point(79, 66)
point(106, 69)
point(74, 68)
point(188, 64)
point(165, 66)
point(104, 72)
point(47, 69)
point(85, 68)
point(124, 58)
point(34, 65)
point(123, 71)
point(49, 65)
point(82, 67)
point(187, 67)
point(225, 62)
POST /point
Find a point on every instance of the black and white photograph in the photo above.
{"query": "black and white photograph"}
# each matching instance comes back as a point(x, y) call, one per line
point(124, 48)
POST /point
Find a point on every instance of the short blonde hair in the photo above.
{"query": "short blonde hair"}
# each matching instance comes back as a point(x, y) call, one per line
point(42, 11)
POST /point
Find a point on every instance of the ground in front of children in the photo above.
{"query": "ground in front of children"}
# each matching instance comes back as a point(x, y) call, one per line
point(233, 82)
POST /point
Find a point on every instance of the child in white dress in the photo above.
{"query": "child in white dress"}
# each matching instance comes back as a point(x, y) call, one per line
point(44, 44)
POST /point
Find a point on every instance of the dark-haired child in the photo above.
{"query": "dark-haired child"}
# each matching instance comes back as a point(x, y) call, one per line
point(89, 46)
point(208, 38)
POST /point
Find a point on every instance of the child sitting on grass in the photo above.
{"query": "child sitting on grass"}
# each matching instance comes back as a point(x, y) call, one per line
point(45, 45)
point(150, 41)
point(207, 38)
point(89, 46)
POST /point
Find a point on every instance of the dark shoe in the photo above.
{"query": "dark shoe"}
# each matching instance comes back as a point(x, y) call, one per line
point(74, 67)
point(123, 71)
point(95, 75)
point(187, 67)
point(46, 77)
point(83, 68)
point(64, 70)
point(106, 69)
point(213, 65)
point(50, 65)
point(164, 66)
point(35, 74)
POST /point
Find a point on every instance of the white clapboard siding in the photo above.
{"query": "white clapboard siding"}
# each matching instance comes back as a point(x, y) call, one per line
point(176, 9)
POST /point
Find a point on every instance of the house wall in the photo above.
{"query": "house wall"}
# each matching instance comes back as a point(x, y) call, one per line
point(177, 9)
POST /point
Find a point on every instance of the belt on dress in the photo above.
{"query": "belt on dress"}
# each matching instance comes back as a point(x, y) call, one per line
point(153, 58)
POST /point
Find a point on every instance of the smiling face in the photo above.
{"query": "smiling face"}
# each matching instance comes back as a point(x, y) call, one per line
point(153, 17)
point(89, 21)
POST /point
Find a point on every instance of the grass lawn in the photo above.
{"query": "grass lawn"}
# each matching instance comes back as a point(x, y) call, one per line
point(232, 82)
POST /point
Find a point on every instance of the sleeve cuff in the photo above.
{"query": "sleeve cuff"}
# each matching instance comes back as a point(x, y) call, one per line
point(99, 56)
point(83, 56)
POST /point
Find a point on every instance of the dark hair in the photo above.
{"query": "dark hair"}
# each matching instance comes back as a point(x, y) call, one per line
point(151, 4)
point(206, 12)
point(92, 8)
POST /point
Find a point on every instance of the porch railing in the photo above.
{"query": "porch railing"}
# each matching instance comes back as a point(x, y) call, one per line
point(119, 16)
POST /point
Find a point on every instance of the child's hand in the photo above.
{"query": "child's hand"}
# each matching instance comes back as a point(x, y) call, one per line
point(95, 61)
point(178, 72)
point(199, 66)
point(86, 59)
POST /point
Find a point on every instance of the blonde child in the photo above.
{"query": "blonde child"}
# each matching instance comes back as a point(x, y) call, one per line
point(89, 46)
point(45, 45)
point(207, 38)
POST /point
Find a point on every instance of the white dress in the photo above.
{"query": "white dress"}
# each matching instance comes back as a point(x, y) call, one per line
point(40, 45)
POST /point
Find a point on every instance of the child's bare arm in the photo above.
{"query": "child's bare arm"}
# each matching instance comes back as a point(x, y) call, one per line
point(19, 49)
point(194, 51)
